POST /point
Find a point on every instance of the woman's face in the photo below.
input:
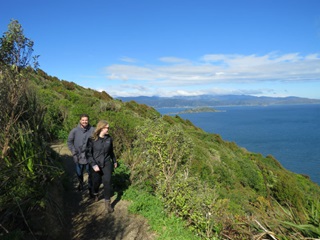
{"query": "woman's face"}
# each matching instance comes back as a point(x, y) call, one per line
point(105, 130)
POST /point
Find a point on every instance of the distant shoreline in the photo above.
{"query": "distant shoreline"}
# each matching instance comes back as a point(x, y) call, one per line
point(197, 110)
point(217, 101)
point(226, 106)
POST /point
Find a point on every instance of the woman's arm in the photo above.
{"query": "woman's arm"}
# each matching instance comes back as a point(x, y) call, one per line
point(90, 157)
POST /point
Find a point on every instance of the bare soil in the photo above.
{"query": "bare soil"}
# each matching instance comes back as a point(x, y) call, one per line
point(86, 219)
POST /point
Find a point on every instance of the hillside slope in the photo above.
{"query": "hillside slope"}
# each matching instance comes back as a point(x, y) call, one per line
point(217, 188)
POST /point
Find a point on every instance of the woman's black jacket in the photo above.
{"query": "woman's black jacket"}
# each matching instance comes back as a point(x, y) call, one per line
point(100, 151)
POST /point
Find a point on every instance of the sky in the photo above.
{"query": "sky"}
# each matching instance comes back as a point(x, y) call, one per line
point(176, 47)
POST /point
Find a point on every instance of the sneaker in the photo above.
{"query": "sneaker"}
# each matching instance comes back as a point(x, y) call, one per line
point(109, 208)
point(95, 197)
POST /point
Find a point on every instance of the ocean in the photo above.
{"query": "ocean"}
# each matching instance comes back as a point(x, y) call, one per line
point(290, 133)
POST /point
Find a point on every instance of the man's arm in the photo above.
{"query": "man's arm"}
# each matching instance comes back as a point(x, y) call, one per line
point(70, 142)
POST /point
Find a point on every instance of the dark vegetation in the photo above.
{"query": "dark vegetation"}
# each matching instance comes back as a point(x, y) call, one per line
point(217, 189)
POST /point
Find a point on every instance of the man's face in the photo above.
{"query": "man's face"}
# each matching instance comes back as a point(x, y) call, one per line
point(84, 121)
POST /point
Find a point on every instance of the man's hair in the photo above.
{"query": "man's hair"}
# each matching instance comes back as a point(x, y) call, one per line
point(84, 115)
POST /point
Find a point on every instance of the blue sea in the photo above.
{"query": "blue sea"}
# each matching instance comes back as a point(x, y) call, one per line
point(290, 133)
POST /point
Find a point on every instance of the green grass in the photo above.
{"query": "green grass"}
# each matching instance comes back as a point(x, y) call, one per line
point(150, 207)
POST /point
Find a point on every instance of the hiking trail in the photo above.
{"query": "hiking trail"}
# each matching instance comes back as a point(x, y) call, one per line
point(87, 219)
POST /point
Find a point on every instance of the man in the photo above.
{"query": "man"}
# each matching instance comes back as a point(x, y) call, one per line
point(77, 143)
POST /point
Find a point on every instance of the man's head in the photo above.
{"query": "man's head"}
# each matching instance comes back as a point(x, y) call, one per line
point(84, 120)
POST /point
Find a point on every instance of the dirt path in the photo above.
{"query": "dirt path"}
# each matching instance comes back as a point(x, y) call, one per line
point(86, 219)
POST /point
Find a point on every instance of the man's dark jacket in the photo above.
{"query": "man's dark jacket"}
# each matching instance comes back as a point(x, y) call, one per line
point(77, 142)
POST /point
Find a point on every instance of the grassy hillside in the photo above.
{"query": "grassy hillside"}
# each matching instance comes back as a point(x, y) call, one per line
point(218, 189)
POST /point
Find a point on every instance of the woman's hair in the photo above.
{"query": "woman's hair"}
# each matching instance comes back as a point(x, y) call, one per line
point(101, 124)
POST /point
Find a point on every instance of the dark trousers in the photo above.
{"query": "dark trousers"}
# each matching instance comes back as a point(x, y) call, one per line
point(104, 177)
point(80, 169)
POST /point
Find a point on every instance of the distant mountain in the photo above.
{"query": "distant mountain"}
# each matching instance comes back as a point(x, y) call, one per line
point(217, 100)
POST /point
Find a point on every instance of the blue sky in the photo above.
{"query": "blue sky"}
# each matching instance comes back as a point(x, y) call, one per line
point(176, 47)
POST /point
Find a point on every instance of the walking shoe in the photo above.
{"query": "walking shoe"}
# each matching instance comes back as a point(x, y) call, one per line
point(108, 206)
point(95, 197)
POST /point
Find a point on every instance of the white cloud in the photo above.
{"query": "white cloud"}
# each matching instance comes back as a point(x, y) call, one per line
point(128, 60)
point(173, 60)
point(130, 72)
point(186, 77)
point(134, 90)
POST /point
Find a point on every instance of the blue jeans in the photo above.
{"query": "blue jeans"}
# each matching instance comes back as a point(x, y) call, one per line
point(80, 169)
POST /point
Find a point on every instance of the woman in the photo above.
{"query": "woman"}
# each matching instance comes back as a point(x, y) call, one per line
point(102, 160)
